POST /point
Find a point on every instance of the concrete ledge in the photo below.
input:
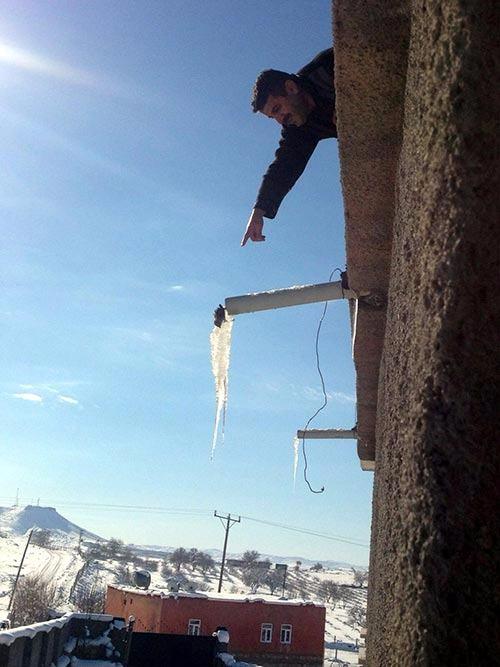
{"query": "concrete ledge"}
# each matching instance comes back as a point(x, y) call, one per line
point(370, 66)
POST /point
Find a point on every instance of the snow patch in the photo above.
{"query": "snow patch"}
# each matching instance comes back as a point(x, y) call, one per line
point(228, 659)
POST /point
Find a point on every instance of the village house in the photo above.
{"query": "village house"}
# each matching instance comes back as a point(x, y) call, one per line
point(268, 632)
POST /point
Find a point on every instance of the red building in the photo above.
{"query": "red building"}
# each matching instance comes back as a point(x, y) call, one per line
point(266, 631)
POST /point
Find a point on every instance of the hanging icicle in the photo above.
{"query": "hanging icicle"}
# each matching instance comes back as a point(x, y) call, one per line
point(296, 443)
point(220, 344)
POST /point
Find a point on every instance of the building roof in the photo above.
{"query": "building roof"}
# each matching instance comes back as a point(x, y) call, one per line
point(227, 597)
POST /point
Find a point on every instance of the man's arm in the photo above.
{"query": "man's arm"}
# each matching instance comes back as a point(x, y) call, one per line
point(295, 148)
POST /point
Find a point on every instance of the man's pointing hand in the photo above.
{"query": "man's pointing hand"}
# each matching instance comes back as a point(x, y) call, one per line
point(254, 227)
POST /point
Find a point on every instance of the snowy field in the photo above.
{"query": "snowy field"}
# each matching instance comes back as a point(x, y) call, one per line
point(63, 564)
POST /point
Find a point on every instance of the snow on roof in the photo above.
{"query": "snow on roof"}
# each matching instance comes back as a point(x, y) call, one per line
point(7, 637)
point(227, 597)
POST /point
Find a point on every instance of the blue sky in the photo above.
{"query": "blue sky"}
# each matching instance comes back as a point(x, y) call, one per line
point(131, 161)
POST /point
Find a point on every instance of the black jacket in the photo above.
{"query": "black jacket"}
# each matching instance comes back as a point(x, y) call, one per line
point(297, 144)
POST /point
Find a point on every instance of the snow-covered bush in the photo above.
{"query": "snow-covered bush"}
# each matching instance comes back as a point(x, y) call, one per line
point(35, 600)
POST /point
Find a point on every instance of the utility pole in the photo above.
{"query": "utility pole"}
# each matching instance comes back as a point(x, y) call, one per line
point(19, 570)
point(283, 568)
point(79, 548)
point(229, 522)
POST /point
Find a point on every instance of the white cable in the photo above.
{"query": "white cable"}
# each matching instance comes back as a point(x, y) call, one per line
point(355, 324)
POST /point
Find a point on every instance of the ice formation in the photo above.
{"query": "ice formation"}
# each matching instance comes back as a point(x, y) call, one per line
point(220, 344)
point(296, 443)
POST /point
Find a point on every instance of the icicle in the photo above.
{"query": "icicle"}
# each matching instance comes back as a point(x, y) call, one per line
point(220, 343)
point(296, 443)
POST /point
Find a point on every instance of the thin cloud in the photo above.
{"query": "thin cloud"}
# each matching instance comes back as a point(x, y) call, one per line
point(313, 394)
point(343, 398)
point(68, 399)
point(176, 288)
point(43, 392)
point(28, 396)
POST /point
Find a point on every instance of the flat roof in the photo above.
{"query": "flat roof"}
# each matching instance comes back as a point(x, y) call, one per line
point(227, 597)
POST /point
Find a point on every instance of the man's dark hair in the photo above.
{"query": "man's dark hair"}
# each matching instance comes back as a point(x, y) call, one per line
point(269, 82)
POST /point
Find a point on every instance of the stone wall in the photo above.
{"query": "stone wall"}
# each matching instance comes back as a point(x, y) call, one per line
point(438, 469)
point(435, 555)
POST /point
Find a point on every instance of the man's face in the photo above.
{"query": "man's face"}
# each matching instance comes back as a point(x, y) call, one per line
point(289, 109)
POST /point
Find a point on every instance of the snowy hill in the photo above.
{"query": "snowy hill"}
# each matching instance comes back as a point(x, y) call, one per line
point(17, 520)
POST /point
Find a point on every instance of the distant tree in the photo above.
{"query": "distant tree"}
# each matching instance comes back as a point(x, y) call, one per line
point(35, 599)
point(42, 538)
point(266, 563)
point(205, 561)
point(329, 591)
point(357, 616)
point(127, 554)
point(273, 580)
point(90, 599)
point(253, 577)
point(360, 577)
point(297, 565)
point(317, 567)
point(96, 551)
point(179, 557)
point(250, 557)
point(114, 547)
point(193, 558)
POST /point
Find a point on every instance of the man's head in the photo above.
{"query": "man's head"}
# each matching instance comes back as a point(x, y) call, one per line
point(278, 95)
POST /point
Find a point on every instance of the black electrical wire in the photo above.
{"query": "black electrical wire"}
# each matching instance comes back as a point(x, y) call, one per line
point(325, 395)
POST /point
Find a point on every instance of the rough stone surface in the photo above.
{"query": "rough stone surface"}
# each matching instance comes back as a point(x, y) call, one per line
point(435, 554)
point(370, 66)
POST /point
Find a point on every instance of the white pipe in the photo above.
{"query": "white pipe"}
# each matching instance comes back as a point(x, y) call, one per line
point(328, 434)
point(290, 296)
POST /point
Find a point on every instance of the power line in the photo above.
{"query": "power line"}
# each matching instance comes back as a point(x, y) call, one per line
point(200, 513)
point(306, 531)
point(125, 508)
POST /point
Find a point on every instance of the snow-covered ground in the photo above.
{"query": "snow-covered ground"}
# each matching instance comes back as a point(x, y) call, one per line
point(62, 563)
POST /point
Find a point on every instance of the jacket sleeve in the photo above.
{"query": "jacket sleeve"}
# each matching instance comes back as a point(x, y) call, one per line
point(295, 148)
